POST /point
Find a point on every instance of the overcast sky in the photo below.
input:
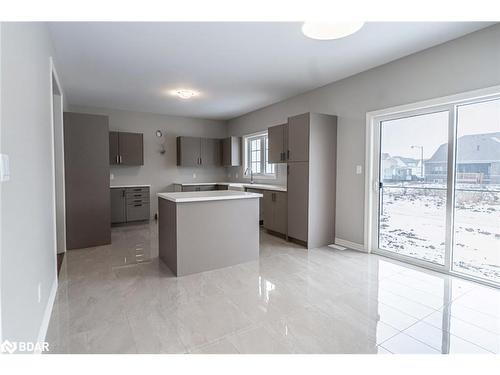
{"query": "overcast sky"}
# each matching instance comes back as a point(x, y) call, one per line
point(431, 130)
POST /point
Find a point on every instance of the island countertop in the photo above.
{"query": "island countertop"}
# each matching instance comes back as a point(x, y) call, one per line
point(200, 196)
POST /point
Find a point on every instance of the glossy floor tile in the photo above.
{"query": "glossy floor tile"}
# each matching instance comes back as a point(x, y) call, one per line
point(121, 299)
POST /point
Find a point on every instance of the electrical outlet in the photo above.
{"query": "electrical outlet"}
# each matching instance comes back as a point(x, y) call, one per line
point(236, 175)
point(194, 175)
point(39, 292)
point(359, 169)
point(111, 176)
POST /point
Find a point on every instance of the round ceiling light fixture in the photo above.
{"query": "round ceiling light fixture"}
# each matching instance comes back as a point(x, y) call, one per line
point(330, 30)
point(185, 93)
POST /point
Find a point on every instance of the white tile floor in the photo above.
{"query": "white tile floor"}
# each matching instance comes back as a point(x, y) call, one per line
point(121, 299)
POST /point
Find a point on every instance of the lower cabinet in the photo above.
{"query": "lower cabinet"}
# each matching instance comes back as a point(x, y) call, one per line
point(275, 211)
point(261, 202)
point(129, 204)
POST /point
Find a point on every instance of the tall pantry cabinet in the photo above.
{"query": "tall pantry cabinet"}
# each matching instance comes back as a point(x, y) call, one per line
point(308, 144)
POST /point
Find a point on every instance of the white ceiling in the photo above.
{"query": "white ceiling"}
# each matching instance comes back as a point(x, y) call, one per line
point(237, 67)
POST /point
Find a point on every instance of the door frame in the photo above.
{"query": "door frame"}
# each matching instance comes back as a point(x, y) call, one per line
point(373, 120)
point(57, 199)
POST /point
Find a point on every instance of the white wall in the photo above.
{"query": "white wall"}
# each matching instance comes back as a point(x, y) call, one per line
point(467, 63)
point(27, 205)
point(160, 171)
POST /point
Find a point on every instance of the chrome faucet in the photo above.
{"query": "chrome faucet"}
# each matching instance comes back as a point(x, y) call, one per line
point(251, 174)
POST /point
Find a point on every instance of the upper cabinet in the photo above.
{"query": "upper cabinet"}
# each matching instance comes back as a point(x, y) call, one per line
point(231, 152)
point(289, 142)
point(211, 153)
point(277, 143)
point(298, 138)
point(126, 148)
point(197, 152)
point(188, 151)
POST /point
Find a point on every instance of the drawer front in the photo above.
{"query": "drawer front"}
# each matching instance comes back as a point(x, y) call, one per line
point(139, 189)
point(136, 201)
point(138, 211)
point(137, 195)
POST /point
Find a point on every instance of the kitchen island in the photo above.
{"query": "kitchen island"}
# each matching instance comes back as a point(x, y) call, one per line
point(206, 230)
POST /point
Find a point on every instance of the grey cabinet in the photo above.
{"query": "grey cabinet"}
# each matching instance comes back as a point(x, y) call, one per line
point(86, 168)
point(118, 205)
point(261, 202)
point(114, 148)
point(197, 152)
point(277, 143)
point(188, 151)
point(298, 138)
point(210, 152)
point(312, 142)
point(298, 198)
point(231, 152)
point(211, 187)
point(275, 211)
point(129, 204)
point(126, 148)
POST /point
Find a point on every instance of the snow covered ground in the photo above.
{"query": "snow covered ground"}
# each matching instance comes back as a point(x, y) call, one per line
point(413, 223)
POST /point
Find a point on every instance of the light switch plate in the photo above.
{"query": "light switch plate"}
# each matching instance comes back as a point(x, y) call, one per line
point(194, 175)
point(4, 168)
point(359, 169)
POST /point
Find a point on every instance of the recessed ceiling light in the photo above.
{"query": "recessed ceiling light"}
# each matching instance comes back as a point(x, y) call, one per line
point(184, 93)
point(330, 30)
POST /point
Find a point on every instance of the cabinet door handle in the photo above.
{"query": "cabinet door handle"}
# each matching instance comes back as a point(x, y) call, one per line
point(288, 154)
point(116, 159)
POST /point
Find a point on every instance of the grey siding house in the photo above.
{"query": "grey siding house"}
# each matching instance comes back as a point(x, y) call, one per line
point(478, 160)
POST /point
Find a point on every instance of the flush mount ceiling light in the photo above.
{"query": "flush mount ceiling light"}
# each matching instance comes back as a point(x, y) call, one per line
point(330, 30)
point(184, 93)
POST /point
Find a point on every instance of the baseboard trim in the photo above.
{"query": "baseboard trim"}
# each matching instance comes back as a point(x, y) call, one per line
point(350, 245)
point(42, 333)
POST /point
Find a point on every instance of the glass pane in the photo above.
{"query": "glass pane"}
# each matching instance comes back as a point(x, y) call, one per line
point(413, 172)
point(476, 245)
point(269, 167)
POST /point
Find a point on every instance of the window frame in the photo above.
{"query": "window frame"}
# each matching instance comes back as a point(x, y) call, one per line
point(264, 154)
point(372, 163)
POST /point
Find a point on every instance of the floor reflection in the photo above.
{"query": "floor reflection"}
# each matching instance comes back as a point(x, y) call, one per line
point(121, 299)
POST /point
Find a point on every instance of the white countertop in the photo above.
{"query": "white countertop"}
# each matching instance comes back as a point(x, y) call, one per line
point(236, 184)
point(128, 186)
point(201, 196)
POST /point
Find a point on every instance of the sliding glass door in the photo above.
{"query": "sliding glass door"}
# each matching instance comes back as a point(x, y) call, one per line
point(412, 220)
point(476, 240)
point(439, 188)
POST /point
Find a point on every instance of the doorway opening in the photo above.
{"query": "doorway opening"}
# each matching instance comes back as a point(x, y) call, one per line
point(58, 166)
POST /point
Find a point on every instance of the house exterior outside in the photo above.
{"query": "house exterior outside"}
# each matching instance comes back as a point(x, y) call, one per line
point(398, 168)
point(478, 160)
